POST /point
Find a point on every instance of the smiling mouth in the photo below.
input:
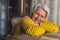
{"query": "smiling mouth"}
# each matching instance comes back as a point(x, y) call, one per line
point(36, 21)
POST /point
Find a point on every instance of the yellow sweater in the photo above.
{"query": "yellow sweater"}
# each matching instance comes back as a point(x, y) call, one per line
point(35, 30)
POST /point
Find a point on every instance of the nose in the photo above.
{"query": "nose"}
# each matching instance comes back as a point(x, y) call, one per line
point(39, 17)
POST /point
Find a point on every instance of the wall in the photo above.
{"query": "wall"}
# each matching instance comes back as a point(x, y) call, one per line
point(59, 12)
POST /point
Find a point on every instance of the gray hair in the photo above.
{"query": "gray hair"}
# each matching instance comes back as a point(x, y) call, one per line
point(42, 6)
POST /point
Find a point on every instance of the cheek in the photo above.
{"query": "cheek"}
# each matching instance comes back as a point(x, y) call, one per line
point(42, 19)
point(35, 15)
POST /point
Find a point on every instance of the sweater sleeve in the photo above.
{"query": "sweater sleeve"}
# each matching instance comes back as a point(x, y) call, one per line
point(31, 28)
point(50, 27)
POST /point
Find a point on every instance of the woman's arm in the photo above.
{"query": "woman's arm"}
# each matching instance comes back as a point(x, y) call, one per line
point(50, 27)
point(31, 28)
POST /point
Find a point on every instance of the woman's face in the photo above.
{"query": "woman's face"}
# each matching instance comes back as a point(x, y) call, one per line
point(38, 16)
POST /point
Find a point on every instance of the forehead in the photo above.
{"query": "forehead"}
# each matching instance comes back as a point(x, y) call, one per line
point(41, 11)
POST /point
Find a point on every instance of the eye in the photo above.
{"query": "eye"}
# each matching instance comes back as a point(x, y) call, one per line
point(42, 16)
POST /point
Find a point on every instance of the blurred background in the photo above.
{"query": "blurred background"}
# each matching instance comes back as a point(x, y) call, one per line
point(13, 8)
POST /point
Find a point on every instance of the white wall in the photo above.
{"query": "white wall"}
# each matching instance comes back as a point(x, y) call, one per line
point(59, 13)
point(55, 12)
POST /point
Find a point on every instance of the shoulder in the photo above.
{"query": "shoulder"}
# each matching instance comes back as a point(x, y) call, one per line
point(27, 19)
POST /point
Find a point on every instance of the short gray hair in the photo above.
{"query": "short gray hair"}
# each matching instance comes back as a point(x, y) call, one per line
point(42, 6)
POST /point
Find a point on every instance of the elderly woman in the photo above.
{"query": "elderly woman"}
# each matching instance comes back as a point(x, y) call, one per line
point(37, 25)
